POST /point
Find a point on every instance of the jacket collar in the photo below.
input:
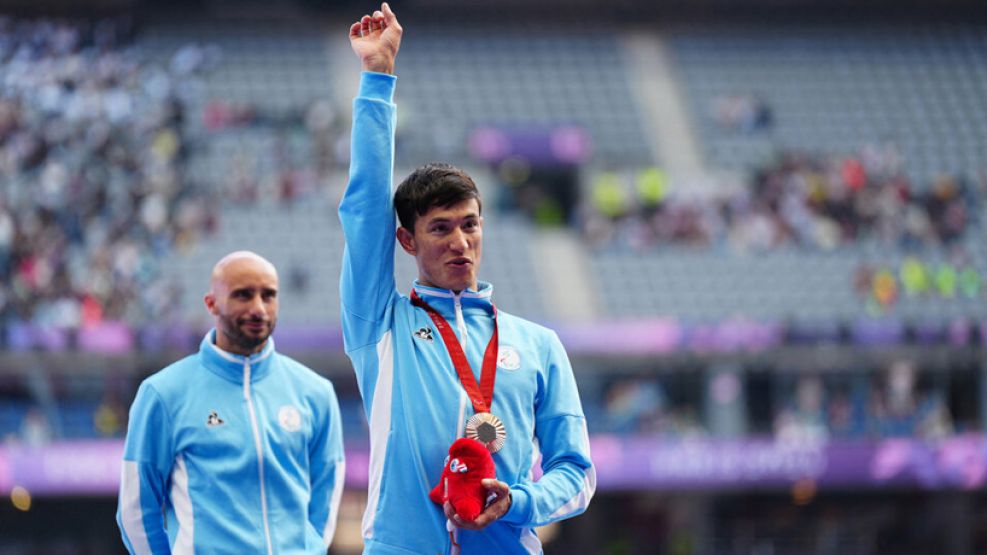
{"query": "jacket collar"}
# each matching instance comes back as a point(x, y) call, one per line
point(443, 300)
point(231, 366)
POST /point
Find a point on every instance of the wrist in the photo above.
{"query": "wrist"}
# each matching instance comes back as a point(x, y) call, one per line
point(519, 507)
point(379, 66)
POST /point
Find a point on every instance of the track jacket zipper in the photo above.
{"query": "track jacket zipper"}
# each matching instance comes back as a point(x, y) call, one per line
point(260, 453)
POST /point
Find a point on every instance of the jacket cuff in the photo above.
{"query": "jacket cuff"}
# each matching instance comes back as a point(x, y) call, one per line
point(520, 511)
point(377, 86)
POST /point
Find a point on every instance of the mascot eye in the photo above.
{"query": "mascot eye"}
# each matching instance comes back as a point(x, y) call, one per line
point(456, 466)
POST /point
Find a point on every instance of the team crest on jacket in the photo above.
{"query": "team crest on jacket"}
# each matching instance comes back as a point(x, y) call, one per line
point(214, 420)
point(289, 418)
point(425, 334)
point(508, 358)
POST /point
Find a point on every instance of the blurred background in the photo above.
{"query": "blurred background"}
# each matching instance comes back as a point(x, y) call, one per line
point(757, 225)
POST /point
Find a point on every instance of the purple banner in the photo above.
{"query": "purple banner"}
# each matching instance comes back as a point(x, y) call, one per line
point(954, 463)
point(565, 145)
point(79, 467)
point(93, 467)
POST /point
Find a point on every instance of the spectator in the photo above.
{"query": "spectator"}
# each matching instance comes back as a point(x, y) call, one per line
point(899, 409)
point(805, 420)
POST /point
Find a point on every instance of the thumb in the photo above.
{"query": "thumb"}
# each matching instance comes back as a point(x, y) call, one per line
point(389, 16)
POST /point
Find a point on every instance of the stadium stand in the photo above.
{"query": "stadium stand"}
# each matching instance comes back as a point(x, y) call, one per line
point(858, 139)
point(832, 88)
point(454, 80)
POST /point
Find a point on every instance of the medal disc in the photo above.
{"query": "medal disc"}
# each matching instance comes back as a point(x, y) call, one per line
point(487, 429)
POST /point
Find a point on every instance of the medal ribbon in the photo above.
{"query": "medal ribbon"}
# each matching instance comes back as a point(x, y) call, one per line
point(481, 395)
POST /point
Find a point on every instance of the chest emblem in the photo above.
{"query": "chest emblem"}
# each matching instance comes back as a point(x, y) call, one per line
point(508, 358)
point(425, 334)
point(289, 419)
point(214, 420)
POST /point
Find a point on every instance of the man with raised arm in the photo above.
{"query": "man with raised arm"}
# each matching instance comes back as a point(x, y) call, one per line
point(443, 363)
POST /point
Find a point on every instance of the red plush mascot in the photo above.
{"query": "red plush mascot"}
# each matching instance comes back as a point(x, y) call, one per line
point(467, 465)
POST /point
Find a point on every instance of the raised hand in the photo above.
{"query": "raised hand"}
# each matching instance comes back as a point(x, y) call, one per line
point(376, 40)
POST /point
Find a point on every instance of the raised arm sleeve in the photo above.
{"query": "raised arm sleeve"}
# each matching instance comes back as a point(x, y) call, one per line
point(328, 470)
point(147, 462)
point(569, 479)
point(367, 214)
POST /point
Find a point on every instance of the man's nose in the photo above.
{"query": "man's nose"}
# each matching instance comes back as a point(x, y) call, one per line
point(459, 242)
point(257, 307)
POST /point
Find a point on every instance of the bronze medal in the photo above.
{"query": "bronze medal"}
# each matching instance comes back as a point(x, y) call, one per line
point(488, 430)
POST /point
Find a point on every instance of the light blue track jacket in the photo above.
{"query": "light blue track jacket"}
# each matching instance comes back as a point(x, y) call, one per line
point(228, 454)
point(412, 396)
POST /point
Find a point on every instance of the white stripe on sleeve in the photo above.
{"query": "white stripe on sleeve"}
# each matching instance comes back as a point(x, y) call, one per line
point(182, 502)
point(380, 425)
point(131, 515)
point(582, 499)
point(530, 542)
point(339, 476)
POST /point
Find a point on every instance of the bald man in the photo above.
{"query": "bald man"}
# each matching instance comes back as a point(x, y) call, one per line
point(237, 448)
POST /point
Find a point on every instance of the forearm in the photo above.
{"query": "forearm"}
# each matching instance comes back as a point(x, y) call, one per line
point(327, 492)
point(147, 462)
point(568, 483)
point(328, 472)
point(139, 513)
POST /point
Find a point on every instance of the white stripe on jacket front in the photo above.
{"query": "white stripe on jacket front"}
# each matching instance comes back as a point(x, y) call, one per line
point(131, 515)
point(182, 502)
point(380, 426)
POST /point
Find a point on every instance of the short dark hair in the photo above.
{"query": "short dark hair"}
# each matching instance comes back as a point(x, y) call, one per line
point(431, 185)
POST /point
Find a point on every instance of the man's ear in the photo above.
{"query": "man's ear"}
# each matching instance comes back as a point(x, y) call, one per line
point(210, 300)
point(407, 240)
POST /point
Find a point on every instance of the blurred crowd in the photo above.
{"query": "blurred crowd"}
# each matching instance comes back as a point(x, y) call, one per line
point(892, 404)
point(810, 201)
point(898, 401)
point(643, 406)
point(91, 157)
point(281, 156)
